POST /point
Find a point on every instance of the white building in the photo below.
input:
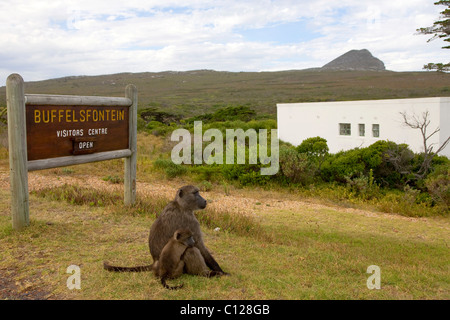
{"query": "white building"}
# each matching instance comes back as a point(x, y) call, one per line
point(350, 124)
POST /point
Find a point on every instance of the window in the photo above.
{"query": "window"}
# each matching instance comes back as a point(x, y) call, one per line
point(362, 129)
point(376, 130)
point(345, 129)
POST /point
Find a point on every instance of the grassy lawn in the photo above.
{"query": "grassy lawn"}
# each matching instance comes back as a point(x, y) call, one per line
point(274, 243)
point(317, 252)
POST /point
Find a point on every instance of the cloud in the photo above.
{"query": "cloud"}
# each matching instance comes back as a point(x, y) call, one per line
point(47, 39)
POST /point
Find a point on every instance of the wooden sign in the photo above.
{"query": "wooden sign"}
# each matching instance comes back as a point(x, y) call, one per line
point(58, 131)
point(49, 131)
point(84, 145)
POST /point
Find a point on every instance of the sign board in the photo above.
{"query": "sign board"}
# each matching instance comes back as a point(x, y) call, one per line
point(48, 131)
point(58, 131)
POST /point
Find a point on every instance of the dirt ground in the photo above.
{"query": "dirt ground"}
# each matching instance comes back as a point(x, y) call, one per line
point(243, 201)
point(12, 290)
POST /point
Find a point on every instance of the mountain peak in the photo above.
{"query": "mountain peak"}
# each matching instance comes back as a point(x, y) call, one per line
point(356, 60)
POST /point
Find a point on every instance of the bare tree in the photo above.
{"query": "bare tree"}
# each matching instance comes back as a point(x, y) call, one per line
point(422, 123)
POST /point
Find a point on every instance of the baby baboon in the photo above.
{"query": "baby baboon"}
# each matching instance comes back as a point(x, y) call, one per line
point(170, 264)
point(179, 214)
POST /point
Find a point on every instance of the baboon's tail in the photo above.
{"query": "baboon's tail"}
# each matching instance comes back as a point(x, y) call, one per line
point(211, 274)
point(165, 285)
point(109, 267)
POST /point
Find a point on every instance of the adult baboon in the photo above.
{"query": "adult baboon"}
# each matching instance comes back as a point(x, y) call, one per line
point(170, 264)
point(179, 214)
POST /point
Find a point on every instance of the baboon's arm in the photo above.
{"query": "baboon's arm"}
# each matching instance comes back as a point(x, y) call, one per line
point(210, 262)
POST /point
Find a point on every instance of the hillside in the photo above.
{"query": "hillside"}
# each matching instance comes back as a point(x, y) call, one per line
point(356, 60)
point(194, 92)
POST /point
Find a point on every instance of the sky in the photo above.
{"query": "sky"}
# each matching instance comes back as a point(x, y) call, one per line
point(50, 39)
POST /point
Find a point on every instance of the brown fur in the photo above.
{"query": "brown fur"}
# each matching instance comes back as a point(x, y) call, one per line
point(170, 264)
point(179, 214)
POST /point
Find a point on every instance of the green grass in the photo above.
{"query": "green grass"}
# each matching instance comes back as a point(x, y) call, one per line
point(237, 223)
point(312, 253)
point(319, 251)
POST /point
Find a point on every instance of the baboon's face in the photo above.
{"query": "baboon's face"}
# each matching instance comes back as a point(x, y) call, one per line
point(185, 236)
point(201, 203)
point(189, 198)
point(190, 242)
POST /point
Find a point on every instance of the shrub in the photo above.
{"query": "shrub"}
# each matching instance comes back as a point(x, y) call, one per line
point(171, 169)
point(363, 186)
point(242, 113)
point(115, 179)
point(343, 165)
point(391, 163)
point(158, 128)
point(253, 178)
point(78, 195)
point(206, 172)
point(438, 185)
point(153, 114)
point(238, 124)
point(316, 149)
point(175, 171)
point(261, 124)
point(296, 166)
point(245, 173)
point(205, 186)
point(3, 115)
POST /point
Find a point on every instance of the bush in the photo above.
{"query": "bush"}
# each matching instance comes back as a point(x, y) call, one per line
point(296, 166)
point(158, 128)
point(363, 186)
point(78, 195)
point(206, 172)
point(239, 124)
point(390, 163)
point(115, 179)
point(438, 185)
point(3, 115)
point(316, 149)
point(261, 124)
point(253, 178)
point(342, 166)
point(246, 174)
point(171, 169)
point(227, 114)
point(205, 186)
point(153, 114)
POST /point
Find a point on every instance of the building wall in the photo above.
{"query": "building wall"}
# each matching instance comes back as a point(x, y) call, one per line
point(299, 121)
point(445, 125)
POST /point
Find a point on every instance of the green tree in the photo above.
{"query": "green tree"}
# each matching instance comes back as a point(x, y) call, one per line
point(315, 148)
point(440, 29)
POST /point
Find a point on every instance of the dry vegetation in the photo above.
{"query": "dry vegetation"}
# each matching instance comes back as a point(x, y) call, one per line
point(275, 244)
point(196, 92)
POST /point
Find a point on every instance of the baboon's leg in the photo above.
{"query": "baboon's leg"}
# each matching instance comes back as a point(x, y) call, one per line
point(179, 270)
point(194, 262)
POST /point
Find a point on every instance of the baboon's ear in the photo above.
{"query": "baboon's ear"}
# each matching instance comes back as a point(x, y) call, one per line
point(180, 193)
point(177, 235)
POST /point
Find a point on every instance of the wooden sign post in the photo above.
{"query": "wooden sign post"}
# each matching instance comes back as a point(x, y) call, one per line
point(48, 131)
